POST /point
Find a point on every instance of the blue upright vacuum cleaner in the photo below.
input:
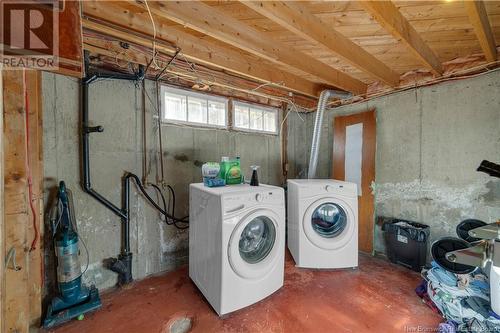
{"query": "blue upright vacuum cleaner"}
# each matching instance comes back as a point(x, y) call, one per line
point(75, 298)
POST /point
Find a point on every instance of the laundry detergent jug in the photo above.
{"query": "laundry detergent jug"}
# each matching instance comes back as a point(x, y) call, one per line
point(230, 170)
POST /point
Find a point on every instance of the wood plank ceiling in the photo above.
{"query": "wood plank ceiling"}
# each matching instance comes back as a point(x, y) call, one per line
point(349, 45)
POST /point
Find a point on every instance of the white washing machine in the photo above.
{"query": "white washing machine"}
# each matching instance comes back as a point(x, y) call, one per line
point(236, 243)
point(322, 223)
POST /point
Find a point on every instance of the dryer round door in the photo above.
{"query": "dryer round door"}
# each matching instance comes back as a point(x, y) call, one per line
point(253, 245)
point(329, 223)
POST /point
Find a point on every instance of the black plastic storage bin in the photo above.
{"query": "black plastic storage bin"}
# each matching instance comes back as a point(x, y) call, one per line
point(406, 242)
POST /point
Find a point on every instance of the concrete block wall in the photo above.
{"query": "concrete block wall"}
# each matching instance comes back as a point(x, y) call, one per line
point(117, 105)
point(430, 141)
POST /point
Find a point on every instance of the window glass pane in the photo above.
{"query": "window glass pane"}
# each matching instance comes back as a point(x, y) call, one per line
point(216, 113)
point(197, 110)
point(270, 121)
point(256, 119)
point(241, 116)
point(193, 107)
point(175, 107)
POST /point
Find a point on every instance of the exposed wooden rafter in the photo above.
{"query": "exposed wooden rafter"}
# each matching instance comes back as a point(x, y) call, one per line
point(389, 17)
point(479, 20)
point(109, 53)
point(295, 17)
point(198, 50)
point(213, 22)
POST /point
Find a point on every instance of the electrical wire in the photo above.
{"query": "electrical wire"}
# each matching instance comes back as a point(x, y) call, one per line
point(154, 34)
point(87, 252)
point(454, 76)
point(160, 139)
point(28, 167)
point(279, 84)
point(55, 225)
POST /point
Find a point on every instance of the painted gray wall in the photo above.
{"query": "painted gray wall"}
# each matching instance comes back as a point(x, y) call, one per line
point(117, 105)
point(430, 141)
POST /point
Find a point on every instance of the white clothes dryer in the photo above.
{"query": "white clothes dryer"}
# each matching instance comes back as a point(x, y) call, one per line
point(322, 223)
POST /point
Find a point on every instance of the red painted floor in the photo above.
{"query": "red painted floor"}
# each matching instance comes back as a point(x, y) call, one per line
point(377, 297)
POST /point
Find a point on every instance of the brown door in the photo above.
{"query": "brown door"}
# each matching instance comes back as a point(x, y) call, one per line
point(354, 161)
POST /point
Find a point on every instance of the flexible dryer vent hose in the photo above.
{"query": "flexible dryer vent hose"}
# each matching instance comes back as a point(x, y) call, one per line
point(324, 97)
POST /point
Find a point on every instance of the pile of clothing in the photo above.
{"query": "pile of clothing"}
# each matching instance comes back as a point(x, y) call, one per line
point(462, 299)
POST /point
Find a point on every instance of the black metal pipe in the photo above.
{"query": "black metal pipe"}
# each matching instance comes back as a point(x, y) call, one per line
point(126, 209)
point(86, 130)
point(123, 264)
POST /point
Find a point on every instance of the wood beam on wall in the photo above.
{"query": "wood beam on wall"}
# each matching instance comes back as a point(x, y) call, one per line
point(35, 155)
point(23, 285)
point(213, 22)
point(479, 20)
point(2, 210)
point(295, 17)
point(391, 19)
point(17, 306)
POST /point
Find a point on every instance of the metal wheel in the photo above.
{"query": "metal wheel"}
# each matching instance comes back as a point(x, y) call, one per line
point(465, 226)
point(447, 244)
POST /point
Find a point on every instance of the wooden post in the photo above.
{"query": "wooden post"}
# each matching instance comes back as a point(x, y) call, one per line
point(16, 207)
point(23, 280)
point(284, 143)
point(2, 224)
point(35, 155)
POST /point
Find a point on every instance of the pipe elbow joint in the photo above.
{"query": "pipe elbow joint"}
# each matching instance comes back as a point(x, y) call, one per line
point(87, 187)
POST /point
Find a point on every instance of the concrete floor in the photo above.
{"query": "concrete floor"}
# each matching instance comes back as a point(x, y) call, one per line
point(377, 297)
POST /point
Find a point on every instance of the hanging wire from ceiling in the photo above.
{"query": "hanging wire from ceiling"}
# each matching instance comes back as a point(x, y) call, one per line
point(154, 33)
point(31, 198)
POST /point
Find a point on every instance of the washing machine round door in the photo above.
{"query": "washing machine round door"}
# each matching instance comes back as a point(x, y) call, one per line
point(329, 223)
point(253, 245)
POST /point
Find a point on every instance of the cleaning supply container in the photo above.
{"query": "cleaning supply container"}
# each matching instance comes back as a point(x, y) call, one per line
point(230, 170)
point(210, 172)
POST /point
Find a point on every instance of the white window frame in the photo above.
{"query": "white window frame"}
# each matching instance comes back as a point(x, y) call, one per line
point(255, 106)
point(187, 93)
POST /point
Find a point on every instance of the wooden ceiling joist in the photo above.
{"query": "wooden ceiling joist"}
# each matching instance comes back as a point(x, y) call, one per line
point(213, 22)
point(295, 17)
point(390, 18)
point(110, 54)
point(479, 20)
point(207, 53)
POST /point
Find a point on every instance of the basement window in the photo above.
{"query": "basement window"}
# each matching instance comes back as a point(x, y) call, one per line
point(187, 107)
point(249, 117)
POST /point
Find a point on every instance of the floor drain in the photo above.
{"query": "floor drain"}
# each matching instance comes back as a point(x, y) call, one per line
point(181, 325)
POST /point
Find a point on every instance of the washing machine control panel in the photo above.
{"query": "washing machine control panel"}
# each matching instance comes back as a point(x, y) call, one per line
point(237, 202)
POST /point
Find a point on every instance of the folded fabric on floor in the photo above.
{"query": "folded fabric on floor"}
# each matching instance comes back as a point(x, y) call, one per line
point(462, 299)
point(447, 327)
point(421, 291)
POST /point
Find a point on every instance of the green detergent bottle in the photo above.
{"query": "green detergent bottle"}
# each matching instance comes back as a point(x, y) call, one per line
point(230, 170)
